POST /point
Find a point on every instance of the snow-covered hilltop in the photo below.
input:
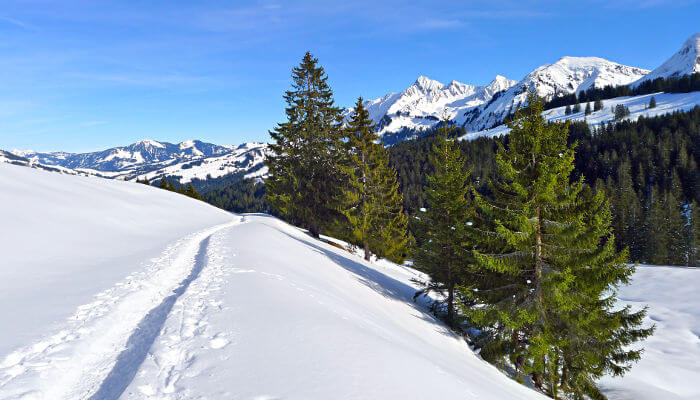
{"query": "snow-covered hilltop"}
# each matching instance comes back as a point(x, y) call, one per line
point(185, 161)
point(685, 62)
point(476, 108)
point(132, 292)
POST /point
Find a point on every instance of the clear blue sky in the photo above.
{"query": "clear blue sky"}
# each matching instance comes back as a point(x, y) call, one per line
point(87, 75)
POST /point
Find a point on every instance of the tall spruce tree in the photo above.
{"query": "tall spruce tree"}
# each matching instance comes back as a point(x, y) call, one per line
point(547, 267)
point(306, 181)
point(443, 228)
point(373, 204)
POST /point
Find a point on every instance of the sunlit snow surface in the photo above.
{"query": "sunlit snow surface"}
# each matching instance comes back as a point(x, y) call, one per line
point(117, 290)
point(638, 106)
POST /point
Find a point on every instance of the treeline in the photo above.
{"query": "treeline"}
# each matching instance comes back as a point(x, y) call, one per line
point(243, 196)
point(166, 184)
point(683, 84)
point(653, 210)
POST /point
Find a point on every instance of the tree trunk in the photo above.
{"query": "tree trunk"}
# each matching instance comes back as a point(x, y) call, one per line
point(450, 304)
point(313, 230)
point(367, 252)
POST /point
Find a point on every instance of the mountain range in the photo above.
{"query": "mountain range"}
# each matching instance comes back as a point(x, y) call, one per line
point(398, 116)
point(191, 161)
point(423, 104)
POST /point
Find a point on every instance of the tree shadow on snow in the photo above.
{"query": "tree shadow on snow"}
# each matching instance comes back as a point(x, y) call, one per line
point(379, 282)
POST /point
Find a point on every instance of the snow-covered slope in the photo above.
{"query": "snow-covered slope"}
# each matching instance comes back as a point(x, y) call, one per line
point(567, 75)
point(112, 289)
point(685, 62)
point(248, 160)
point(638, 106)
point(66, 238)
point(670, 366)
point(425, 102)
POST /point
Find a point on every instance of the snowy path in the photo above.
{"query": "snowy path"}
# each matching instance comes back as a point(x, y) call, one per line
point(96, 353)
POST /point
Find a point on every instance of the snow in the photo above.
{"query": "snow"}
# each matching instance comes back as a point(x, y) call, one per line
point(684, 62)
point(113, 289)
point(423, 104)
point(670, 365)
point(66, 238)
point(638, 106)
point(567, 75)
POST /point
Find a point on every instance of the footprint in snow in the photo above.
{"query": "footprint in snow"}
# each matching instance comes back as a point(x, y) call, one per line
point(218, 342)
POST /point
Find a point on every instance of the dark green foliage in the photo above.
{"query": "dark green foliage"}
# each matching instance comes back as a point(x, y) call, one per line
point(547, 268)
point(187, 190)
point(567, 110)
point(243, 196)
point(646, 150)
point(443, 227)
point(305, 179)
point(620, 112)
point(597, 104)
point(652, 102)
point(588, 109)
point(372, 204)
point(577, 108)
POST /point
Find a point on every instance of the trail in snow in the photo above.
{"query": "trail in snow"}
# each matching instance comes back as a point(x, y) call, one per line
point(96, 353)
point(143, 336)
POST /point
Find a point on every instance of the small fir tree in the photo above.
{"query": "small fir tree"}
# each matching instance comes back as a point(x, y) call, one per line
point(306, 181)
point(373, 204)
point(443, 228)
point(547, 267)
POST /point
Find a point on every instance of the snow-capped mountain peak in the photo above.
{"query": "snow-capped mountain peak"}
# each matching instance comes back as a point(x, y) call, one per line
point(426, 84)
point(426, 101)
point(685, 62)
point(566, 75)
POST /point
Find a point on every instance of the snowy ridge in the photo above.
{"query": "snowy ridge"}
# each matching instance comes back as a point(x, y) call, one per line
point(423, 104)
point(185, 161)
point(685, 62)
point(567, 75)
point(638, 106)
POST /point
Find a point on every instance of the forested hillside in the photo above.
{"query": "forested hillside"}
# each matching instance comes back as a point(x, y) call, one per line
point(648, 167)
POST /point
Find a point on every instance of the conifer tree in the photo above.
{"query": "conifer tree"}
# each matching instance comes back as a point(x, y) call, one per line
point(652, 102)
point(588, 109)
point(305, 180)
point(567, 110)
point(547, 267)
point(597, 104)
point(577, 108)
point(373, 204)
point(443, 228)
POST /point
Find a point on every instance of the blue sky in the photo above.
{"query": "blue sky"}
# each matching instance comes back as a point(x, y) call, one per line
point(87, 75)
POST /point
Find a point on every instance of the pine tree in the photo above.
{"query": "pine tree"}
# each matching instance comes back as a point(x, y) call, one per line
point(652, 102)
point(443, 228)
point(597, 104)
point(373, 204)
point(577, 108)
point(588, 109)
point(547, 267)
point(567, 110)
point(305, 180)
